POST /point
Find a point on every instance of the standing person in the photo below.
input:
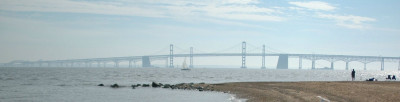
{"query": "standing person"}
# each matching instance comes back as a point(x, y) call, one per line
point(353, 75)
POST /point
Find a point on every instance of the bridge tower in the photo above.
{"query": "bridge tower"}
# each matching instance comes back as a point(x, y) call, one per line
point(263, 58)
point(243, 54)
point(382, 64)
point(171, 56)
point(191, 57)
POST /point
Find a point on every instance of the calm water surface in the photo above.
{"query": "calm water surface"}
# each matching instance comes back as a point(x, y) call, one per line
point(79, 84)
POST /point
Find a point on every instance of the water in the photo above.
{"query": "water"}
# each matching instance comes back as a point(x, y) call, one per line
point(79, 84)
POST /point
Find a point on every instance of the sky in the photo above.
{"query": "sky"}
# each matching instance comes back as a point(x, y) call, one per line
point(72, 29)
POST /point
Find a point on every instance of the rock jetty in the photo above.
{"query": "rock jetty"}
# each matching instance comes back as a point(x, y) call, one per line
point(184, 86)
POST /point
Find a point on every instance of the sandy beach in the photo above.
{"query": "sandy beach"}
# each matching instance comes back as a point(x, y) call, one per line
point(385, 91)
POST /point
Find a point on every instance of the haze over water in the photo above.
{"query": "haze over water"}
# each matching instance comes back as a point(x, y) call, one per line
point(49, 30)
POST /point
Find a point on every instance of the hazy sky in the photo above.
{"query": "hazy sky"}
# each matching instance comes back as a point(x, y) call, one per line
point(69, 29)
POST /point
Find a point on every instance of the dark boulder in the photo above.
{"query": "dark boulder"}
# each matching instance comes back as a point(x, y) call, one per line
point(115, 85)
point(133, 86)
point(154, 84)
point(100, 85)
point(145, 85)
point(167, 86)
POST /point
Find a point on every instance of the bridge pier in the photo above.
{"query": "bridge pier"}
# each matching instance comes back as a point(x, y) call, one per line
point(166, 63)
point(365, 66)
point(146, 61)
point(191, 57)
point(332, 64)
point(130, 63)
point(134, 64)
point(382, 64)
point(283, 62)
point(98, 64)
point(347, 65)
point(104, 64)
point(398, 65)
point(72, 64)
point(86, 64)
point(300, 62)
point(313, 64)
point(116, 63)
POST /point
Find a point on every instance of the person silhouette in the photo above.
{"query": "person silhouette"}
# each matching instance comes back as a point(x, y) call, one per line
point(353, 75)
point(389, 77)
point(394, 77)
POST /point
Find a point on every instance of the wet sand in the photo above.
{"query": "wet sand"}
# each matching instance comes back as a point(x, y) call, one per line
point(385, 91)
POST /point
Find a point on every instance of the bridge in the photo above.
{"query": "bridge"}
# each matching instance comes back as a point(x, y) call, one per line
point(283, 60)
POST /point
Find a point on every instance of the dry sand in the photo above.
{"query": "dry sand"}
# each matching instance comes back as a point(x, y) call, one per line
point(308, 91)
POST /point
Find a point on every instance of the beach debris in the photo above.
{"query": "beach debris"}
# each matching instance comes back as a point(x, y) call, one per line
point(323, 99)
point(115, 85)
point(371, 79)
point(100, 85)
point(200, 88)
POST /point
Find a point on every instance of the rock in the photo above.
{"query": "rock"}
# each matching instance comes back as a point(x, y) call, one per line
point(173, 87)
point(154, 84)
point(115, 85)
point(202, 83)
point(145, 85)
point(180, 84)
point(100, 85)
point(133, 86)
point(138, 85)
point(167, 86)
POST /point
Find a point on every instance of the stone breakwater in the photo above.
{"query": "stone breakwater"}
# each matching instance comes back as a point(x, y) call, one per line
point(184, 86)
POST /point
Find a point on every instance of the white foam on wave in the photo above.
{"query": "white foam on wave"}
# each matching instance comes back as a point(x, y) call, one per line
point(234, 99)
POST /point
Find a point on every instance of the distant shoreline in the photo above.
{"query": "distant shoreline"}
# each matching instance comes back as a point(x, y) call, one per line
point(342, 91)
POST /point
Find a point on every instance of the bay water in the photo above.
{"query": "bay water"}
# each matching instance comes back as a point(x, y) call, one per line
point(80, 84)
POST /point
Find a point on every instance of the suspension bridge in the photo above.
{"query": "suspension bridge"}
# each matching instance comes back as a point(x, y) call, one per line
point(283, 59)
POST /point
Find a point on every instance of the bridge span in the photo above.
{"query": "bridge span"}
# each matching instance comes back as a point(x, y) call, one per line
point(146, 60)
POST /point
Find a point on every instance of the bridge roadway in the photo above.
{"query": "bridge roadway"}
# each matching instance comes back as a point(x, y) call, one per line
point(282, 62)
